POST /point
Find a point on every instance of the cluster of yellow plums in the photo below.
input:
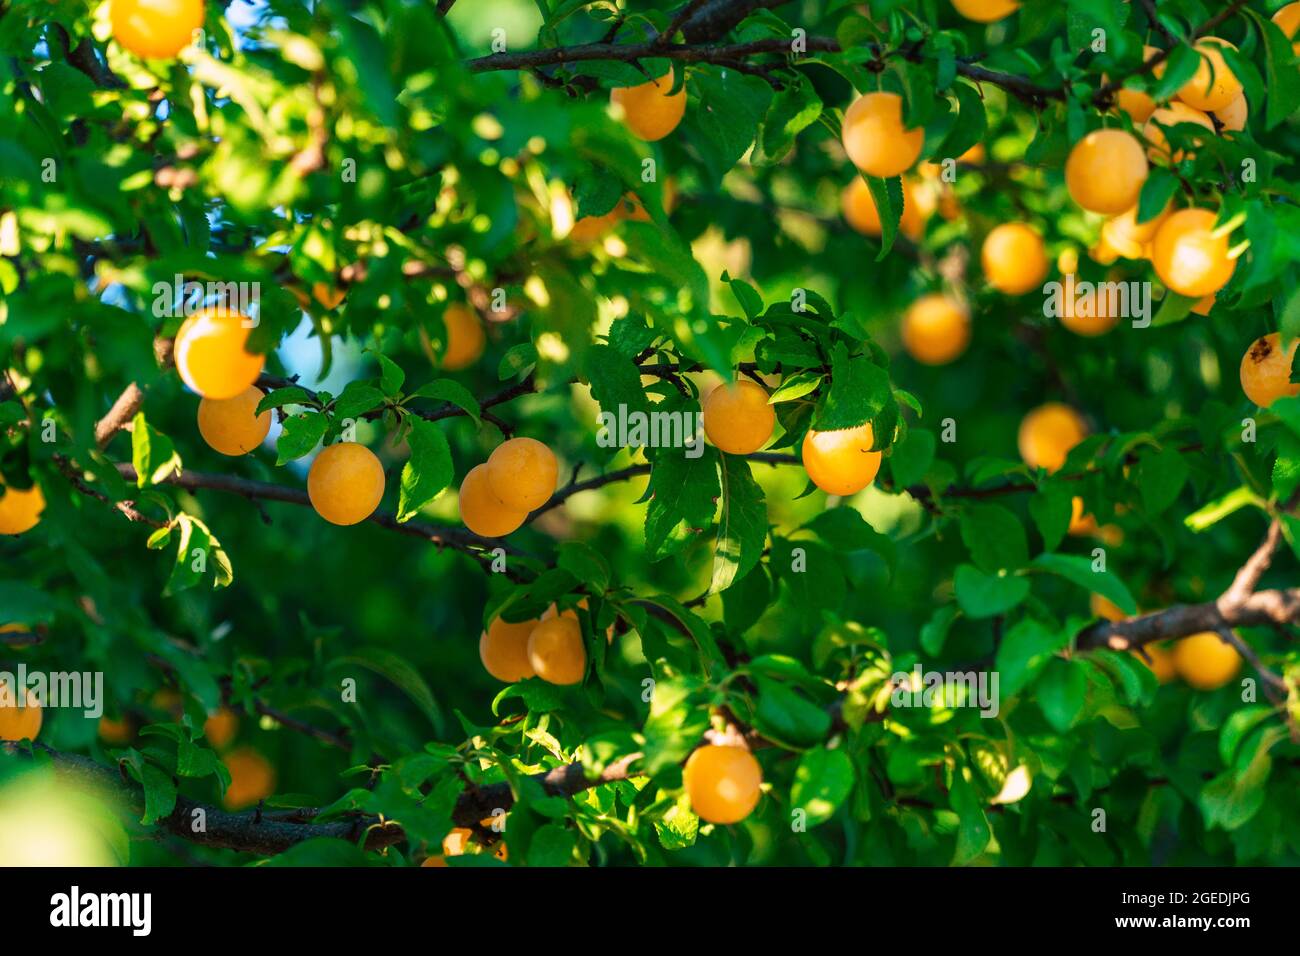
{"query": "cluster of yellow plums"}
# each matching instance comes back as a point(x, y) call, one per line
point(497, 496)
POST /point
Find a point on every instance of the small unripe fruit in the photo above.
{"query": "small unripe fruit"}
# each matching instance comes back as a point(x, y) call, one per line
point(723, 783)
point(1214, 86)
point(841, 462)
point(1187, 255)
point(1266, 370)
point(556, 651)
point(1014, 258)
point(875, 138)
point(522, 473)
point(232, 426)
point(155, 29)
point(1105, 171)
point(986, 11)
point(212, 354)
point(345, 483)
point(737, 417)
point(252, 778)
point(1048, 433)
point(18, 723)
point(1206, 661)
point(1172, 115)
point(20, 508)
point(503, 648)
point(651, 110)
point(482, 511)
point(936, 329)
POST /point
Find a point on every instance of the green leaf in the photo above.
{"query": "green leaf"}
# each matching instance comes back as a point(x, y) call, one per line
point(1025, 650)
point(289, 395)
point(973, 830)
point(742, 523)
point(585, 563)
point(616, 383)
point(887, 194)
point(994, 537)
point(788, 718)
point(1161, 476)
point(300, 435)
point(1280, 69)
point(517, 360)
point(1062, 692)
point(552, 845)
point(357, 399)
point(685, 499)
point(1079, 570)
point(427, 472)
point(844, 529)
point(935, 631)
point(859, 390)
point(822, 781)
point(987, 595)
point(678, 828)
point(1157, 191)
point(1051, 508)
point(399, 672)
point(153, 455)
point(796, 386)
point(451, 391)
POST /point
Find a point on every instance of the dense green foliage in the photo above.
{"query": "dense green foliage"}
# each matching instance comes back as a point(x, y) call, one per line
point(360, 147)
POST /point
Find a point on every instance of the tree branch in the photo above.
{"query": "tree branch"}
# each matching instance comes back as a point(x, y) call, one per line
point(270, 832)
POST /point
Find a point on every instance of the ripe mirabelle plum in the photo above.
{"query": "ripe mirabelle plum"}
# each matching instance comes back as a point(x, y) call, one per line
point(231, 425)
point(465, 339)
point(503, 648)
point(1188, 257)
point(859, 208)
point(651, 110)
point(1014, 258)
point(723, 782)
point(841, 462)
point(1234, 115)
point(1206, 661)
point(551, 611)
point(985, 11)
point(936, 329)
point(20, 508)
point(1161, 663)
point(212, 354)
point(252, 778)
point(1135, 103)
point(1048, 433)
point(1091, 316)
point(18, 723)
point(1206, 92)
point(345, 483)
point(1171, 115)
point(1266, 370)
point(556, 651)
point(221, 728)
point(522, 473)
point(482, 511)
point(1082, 523)
point(737, 417)
point(1105, 171)
point(1288, 21)
point(155, 29)
point(875, 138)
point(1129, 237)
